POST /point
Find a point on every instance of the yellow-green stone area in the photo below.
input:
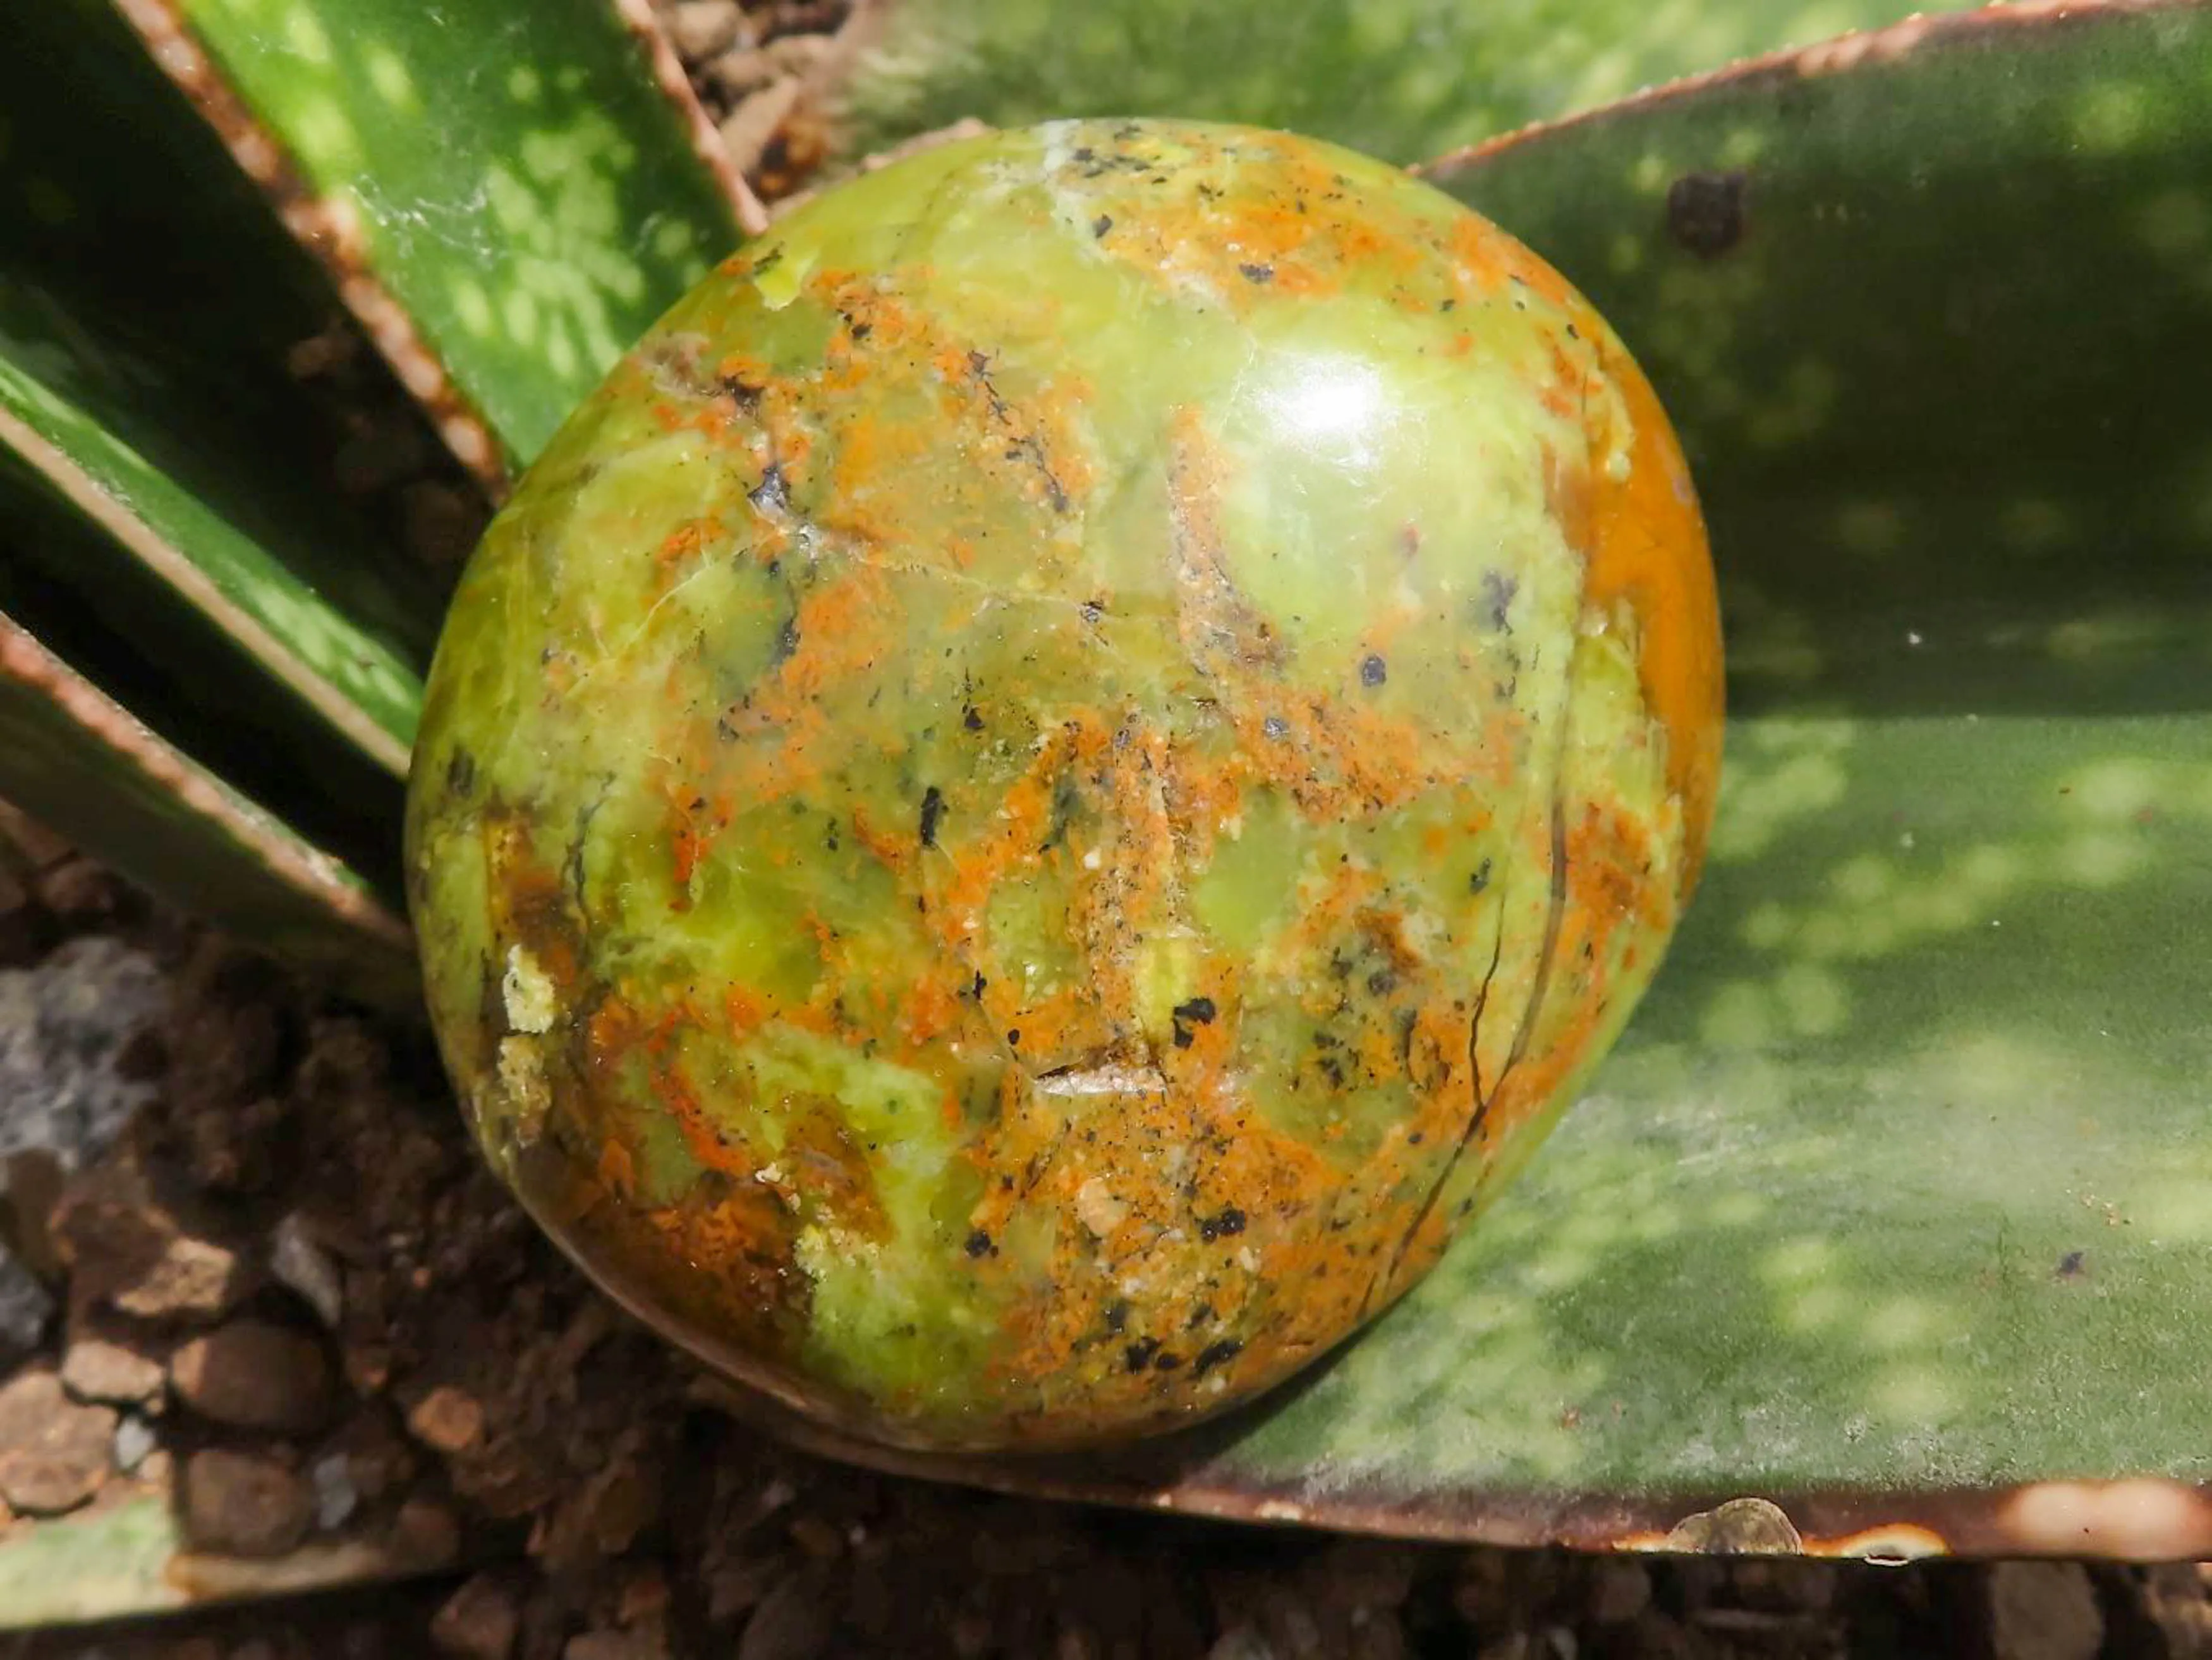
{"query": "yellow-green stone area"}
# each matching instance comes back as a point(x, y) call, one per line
point(1062, 769)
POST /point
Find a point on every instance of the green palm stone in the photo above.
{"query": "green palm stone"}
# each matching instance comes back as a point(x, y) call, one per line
point(1061, 772)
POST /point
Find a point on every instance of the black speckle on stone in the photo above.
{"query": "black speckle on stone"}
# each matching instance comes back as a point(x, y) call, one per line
point(976, 988)
point(1498, 588)
point(980, 1245)
point(2073, 1265)
point(461, 772)
point(1382, 982)
point(786, 640)
point(969, 719)
point(1215, 1354)
point(1275, 727)
point(1066, 802)
point(772, 494)
point(933, 812)
point(1198, 1012)
point(1705, 212)
point(1373, 672)
point(1481, 879)
point(1257, 273)
point(1166, 1362)
point(1102, 224)
point(1138, 1354)
point(1092, 609)
point(1198, 1316)
point(1117, 1317)
point(1013, 1037)
point(1227, 1225)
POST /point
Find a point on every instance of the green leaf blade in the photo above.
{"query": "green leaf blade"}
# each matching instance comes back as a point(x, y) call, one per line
point(78, 761)
point(1398, 79)
point(354, 665)
point(517, 182)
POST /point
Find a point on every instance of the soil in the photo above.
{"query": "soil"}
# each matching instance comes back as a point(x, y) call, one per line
point(764, 71)
point(249, 1263)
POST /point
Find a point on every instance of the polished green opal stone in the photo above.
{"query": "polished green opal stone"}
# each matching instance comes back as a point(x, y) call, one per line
point(1060, 772)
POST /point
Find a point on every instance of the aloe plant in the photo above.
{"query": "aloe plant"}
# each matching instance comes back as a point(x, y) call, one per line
point(1889, 1207)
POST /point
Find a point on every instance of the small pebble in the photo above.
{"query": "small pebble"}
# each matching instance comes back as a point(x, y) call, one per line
point(698, 29)
point(447, 1420)
point(735, 74)
point(244, 1504)
point(188, 1279)
point(121, 1373)
point(746, 132)
point(54, 1451)
point(134, 1440)
point(63, 1024)
point(336, 1496)
point(799, 55)
point(478, 1621)
point(128, 1245)
point(299, 1263)
point(251, 1374)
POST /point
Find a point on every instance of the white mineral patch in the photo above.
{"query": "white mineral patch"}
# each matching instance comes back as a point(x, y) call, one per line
point(1098, 1208)
point(527, 992)
point(522, 1082)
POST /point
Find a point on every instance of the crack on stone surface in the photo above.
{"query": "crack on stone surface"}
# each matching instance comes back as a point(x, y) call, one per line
point(1101, 1077)
point(1213, 619)
point(1026, 445)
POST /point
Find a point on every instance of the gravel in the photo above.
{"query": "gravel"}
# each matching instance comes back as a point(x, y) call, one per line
point(65, 1026)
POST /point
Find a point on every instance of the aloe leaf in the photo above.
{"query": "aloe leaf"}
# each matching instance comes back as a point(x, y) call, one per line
point(169, 531)
point(147, 305)
point(1399, 79)
point(182, 498)
point(1894, 1204)
point(1913, 302)
point(130, 1557)
point(80, 761)
point(506, 196)
point(144, 202)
